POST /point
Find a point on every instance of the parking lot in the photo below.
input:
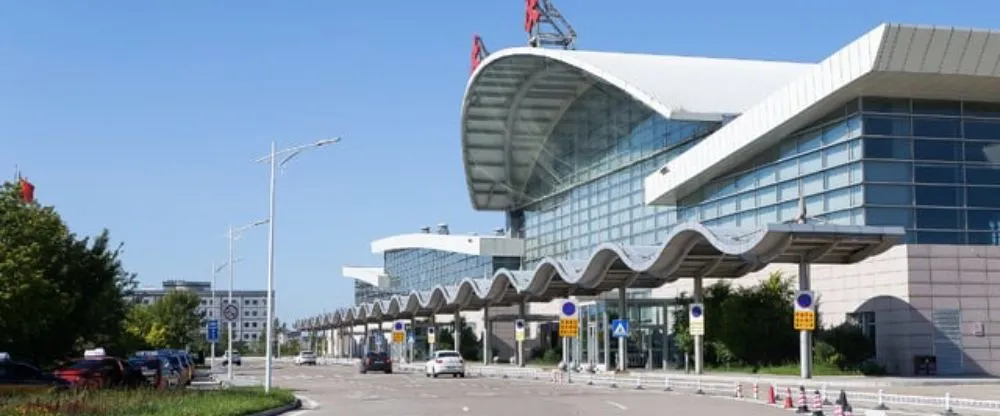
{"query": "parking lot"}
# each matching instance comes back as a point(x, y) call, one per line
point(340, 390)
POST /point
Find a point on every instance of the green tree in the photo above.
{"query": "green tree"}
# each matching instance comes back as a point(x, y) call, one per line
point(756, 323)
point(59, 293)
point(176, 316)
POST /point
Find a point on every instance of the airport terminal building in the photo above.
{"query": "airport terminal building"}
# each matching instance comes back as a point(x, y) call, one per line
point(590, 153)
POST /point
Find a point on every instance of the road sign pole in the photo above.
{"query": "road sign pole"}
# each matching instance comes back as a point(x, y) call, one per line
point(805, 337)
point(699, 340)
point(622, 346)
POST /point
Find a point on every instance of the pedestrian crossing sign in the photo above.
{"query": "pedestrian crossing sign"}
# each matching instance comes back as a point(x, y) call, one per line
point(619, 328)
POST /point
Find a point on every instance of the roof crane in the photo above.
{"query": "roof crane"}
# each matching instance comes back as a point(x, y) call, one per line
point(546, 26)
point(479, 52)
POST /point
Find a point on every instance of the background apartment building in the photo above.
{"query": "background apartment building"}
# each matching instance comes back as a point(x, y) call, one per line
point(253, 310)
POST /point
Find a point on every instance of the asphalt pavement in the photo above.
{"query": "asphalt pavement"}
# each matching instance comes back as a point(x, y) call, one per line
point(340, 390)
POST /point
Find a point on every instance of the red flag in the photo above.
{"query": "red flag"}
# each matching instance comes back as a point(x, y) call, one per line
point(531, 15)
point(27, 191)
point(476, 52)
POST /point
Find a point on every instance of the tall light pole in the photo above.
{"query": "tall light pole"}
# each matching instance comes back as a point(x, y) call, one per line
point(272, 158)
point(234, 233)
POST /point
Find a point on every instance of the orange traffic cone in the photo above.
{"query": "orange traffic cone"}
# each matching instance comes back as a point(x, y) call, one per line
point(788, 399)
point(771, 399)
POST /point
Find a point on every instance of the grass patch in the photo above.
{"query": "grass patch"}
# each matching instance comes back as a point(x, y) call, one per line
point(226, 402)
point(819, 369)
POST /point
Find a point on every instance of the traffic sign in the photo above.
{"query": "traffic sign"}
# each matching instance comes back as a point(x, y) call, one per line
point(398, 326)
point(431, 336)
point(568, 310)
point(398, 337)
point(696, 319)
point(569, 327)
point(231, 312)
point(519, 330)
point(212, 331)
point(805, 311)
point(619, 328)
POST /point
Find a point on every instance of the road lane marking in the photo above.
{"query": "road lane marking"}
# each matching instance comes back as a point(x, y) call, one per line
point(616, 404)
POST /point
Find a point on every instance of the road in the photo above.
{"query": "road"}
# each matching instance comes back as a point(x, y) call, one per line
point(339, 390)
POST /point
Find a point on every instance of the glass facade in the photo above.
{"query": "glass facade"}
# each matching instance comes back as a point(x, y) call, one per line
point(587, 188)
point(932, 167)
point(367, 292)
point(419, 269)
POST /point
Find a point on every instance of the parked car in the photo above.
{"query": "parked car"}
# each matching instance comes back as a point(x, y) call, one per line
point(177, 368)
point(187, 366)
point(156, 368)
point(97, 370)
point(376, 361)
point(446, 362)
point(237, 360)
point(305, 358)
point(18, 377)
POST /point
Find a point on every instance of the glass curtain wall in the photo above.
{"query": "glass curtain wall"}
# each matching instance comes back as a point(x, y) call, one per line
point(421, 269)
point(934, 168)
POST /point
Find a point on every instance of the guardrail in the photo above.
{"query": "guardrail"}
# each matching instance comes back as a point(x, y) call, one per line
point(789, 394)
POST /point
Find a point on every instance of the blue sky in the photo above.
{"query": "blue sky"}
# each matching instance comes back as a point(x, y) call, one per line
point(143, 117)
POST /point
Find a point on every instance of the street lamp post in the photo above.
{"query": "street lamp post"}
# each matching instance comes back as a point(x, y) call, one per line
point(234, 233)
point(272, 158)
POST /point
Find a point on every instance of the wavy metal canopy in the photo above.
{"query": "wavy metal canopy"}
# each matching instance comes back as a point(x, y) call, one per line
point(691, 250)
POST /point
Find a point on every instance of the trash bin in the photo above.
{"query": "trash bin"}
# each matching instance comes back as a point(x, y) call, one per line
point(924, 365)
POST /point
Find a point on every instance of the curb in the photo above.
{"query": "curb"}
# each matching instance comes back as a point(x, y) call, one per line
point(279, 410)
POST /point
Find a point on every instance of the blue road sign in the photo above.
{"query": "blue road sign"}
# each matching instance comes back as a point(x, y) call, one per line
point(519, 324)
point(568, 308)
point(696, 311)
point(212, 330)
point(398, 326)
point(619, 328)
point(804, 300)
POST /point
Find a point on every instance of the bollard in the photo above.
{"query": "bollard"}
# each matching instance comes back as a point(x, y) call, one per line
point(756, 391)
point(739, 390)
point(666, 384)
point(826, 396)
point(881, 402)
point(803, 407)
point(698, 385)
point(947, 405)
point(817, 404)
point(638, 382)
point(590, 380)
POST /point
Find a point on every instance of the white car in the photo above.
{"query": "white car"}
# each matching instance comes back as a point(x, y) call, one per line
point(446, 362)
point(305, 357)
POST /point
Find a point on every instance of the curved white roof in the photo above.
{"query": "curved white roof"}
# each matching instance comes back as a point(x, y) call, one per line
point(372, 275)
point(690, 250)
point(891, 60)
point(516, 96)
point(453, 243)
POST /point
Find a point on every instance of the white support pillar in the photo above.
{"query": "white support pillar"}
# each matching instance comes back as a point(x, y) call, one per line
point(521, 313)
point(456, 333)
point(431, 347)
point(665, 320)
point(805, 337)
point(487, 329)
point(699, 340)
point(622, 346)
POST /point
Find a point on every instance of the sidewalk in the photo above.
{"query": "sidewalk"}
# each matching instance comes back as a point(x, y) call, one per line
point(852, 381)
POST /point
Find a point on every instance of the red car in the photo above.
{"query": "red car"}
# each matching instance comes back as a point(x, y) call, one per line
point(96, 370)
